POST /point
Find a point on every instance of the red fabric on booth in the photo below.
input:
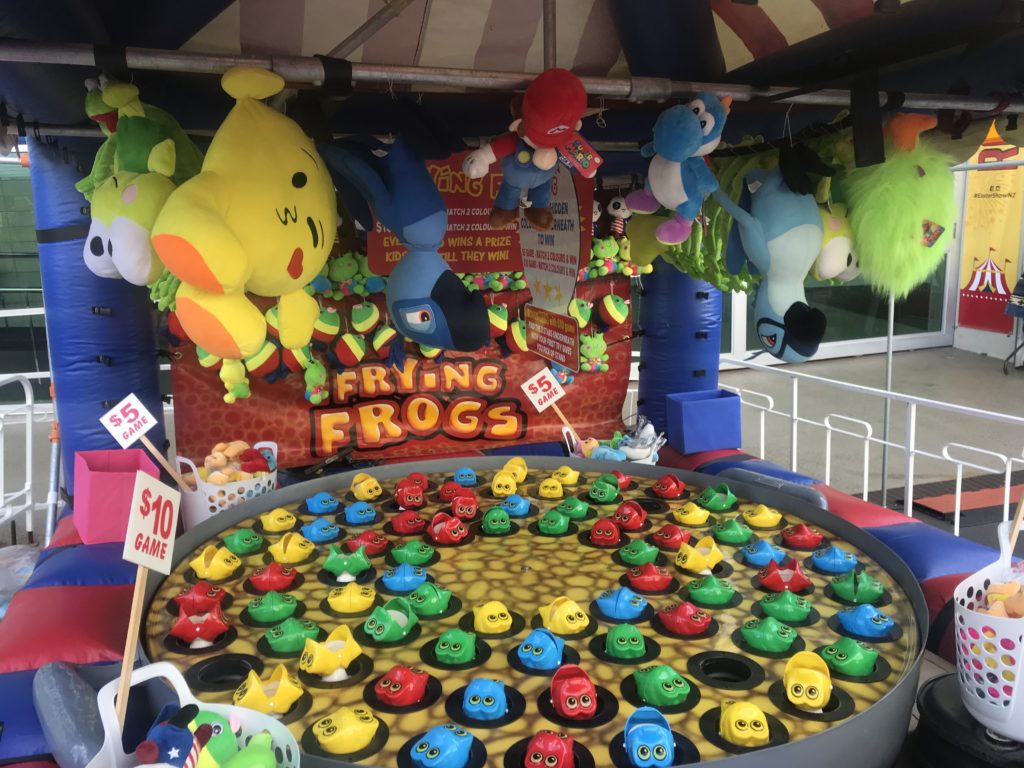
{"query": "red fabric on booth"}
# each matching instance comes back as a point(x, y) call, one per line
point(79, 625)
point(31, 765)
point(938, 594)
point(670, 457)
point(65, 534)
point(861, 513)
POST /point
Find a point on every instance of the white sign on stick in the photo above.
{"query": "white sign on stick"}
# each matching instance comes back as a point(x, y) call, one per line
point(543, 389)
point(152, 524)
point(128, 420)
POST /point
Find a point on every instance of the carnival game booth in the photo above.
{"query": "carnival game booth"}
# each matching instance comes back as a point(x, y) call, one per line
point(342, 274)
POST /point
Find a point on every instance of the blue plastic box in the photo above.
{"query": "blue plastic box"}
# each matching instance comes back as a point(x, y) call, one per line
point(706, 420)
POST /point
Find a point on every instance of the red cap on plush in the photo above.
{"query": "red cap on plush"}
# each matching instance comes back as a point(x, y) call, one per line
point(552, 105)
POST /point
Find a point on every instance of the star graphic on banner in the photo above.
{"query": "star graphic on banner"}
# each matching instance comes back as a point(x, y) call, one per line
point(173, 753)
point(547, 291)
point(558, 293)
point(537, 288)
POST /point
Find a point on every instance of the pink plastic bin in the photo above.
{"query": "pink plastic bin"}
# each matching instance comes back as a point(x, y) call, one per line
point(104, 481)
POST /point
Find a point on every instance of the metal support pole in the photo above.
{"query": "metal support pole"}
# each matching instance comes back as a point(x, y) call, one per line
point(794, 423)
point(550, 46)
point(888, 403)
point(908, 471)
point(308, 69)
point(369, 28)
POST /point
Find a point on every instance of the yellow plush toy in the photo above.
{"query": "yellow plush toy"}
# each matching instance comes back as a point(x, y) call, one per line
point(260, 217)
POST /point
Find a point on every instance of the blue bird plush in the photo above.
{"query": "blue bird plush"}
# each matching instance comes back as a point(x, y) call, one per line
point(426, 301)
point(678, 177)
point(779, 232)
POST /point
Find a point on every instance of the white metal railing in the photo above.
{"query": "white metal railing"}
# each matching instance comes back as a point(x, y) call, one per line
point(17, 501)
point(958, 455)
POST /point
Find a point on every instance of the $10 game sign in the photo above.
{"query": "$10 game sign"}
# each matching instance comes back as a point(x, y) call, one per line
point(152, 524)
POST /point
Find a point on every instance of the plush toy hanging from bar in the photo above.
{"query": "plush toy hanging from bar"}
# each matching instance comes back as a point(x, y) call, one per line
point(543, 133)
point(426, 301)
point(260, 218)
point(678, 178)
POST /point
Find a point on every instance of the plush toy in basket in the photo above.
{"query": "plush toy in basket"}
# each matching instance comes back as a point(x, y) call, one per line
point(989, 615)
point(194, 734)
point(233, 472)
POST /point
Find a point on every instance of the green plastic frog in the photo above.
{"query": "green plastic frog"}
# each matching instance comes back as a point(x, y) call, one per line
point(769, 635)
point(413, 553)
point(625, 641)
point(661, 686)
point(455, 647)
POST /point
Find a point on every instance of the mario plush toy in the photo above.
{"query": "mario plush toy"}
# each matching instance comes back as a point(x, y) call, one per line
point(550, 115)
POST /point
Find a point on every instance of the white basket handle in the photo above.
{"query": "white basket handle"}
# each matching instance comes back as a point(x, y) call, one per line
point(112, 749)
point(267, 444)
point(1005, 553)
point(188, 463)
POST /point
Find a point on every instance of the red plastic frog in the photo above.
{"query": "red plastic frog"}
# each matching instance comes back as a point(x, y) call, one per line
point(205, 627)
point(418, 478)
point(273, 577)
point(449, 491)
point(649, 577)
point(409, 496)
point(573, 694)
point(605, 533)
point(401, 686)
point(201, 597)
point(788, 577)
point(630, 516)
point(465, 505)
point(685, 619)
point(408, 522)
point(802, 536)
point(670, 537)
point(668, 487)
point(550, 750)
point(447, 529)
point(375, 543)
point(624, 480)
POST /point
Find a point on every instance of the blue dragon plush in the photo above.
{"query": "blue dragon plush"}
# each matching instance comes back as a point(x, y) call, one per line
point(426, 301)
point(678, 177)
point(779, 232)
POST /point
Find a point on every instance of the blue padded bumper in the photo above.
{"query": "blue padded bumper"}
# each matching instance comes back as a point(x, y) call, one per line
point(930, 552)
point(757, 465)
point(86, 565)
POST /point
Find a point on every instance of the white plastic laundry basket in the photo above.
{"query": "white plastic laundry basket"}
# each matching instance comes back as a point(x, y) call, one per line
point(208, 499)
point(990, 649)
point(112, 755)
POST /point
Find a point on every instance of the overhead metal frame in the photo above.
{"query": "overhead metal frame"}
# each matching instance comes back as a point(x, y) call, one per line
point(310, 70)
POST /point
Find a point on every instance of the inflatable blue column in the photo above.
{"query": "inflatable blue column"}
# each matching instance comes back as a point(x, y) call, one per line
point(681, 320)
point(101, 332)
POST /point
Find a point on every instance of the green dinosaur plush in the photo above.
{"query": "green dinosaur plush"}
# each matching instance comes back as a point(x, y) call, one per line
point(133, 130)
point(593, 353)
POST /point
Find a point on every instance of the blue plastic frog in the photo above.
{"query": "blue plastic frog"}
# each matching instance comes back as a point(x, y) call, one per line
point(322, 503)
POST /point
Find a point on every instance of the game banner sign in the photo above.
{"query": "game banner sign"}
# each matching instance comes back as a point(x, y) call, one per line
point(472, 245)
point(458, 402)
point(991, 237)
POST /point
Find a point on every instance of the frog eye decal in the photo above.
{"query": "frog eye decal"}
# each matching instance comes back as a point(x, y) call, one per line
point(474, 699)
point(660, 753)
point(756, 725)
point(797, 689)
point(571, 702)
point(812, 692)
point(741, 725)
point(536, 758)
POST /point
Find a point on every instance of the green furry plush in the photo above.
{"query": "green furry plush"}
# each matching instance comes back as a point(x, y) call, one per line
point(901, 212)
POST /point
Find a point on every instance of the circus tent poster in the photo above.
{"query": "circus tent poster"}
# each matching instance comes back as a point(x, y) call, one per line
point(991, 242)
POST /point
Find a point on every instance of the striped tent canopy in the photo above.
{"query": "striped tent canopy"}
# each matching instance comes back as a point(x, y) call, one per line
point(508, 34)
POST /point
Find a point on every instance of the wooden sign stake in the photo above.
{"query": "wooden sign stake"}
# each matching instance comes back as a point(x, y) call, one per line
point(128, 660)
point(164, 463)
